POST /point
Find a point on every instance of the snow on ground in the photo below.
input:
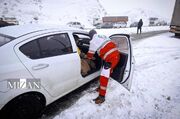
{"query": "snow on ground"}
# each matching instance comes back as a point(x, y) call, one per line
point(64, 11)
point(155, 90)
point(52, 11)
point(132, 30)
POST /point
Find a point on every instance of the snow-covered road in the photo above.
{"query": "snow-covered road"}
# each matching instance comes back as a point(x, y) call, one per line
point(155, 90)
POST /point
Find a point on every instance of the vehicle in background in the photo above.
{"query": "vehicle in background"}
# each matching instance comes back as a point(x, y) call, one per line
point(75, 25)
point(98, 26)
point(107, 25)
point(161, 23)
point(153, 21)
point(120, 25)
point(31, 53)
point(115, 19)
point(3, 24)
point(7, 21)
point(134, 24)
point(175, 21)
point(97, 21)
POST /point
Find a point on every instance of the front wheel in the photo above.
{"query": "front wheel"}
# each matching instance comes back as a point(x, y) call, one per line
point(28, 106)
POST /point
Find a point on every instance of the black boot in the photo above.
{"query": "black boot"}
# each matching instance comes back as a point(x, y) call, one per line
point(100, 99)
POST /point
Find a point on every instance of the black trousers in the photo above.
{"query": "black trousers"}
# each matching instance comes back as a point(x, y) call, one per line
point(139, 28)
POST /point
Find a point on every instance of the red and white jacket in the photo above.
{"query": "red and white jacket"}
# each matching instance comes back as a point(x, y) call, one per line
point(105, 48)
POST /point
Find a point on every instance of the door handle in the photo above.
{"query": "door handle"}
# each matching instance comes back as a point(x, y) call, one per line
point(40, 66)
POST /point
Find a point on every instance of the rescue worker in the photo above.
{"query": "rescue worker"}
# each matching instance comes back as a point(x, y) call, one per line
point(110, 55)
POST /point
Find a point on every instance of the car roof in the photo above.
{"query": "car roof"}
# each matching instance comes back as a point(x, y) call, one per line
point(20, 30)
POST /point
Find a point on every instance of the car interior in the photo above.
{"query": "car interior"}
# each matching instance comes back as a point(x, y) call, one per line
point(119, 70)
point(82, 42)
point(87, 66)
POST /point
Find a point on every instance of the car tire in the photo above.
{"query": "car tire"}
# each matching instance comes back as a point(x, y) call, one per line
point(27, 106)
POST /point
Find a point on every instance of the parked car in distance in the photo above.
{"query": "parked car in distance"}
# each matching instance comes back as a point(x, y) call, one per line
point(76, 25)
point(7, 21)
point(10, 20)
point(107, 25)
point(50, 55)
point(134, 24)
point(119, 25)
point(161, 23)
point(98, 26)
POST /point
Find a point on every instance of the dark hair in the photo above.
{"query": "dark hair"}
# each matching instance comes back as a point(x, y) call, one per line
point(92, 32)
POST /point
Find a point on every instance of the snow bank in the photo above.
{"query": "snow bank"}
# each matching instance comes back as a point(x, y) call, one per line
point(155, 90)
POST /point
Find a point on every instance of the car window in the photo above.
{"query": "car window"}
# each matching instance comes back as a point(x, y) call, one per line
point(5, 39)
point(31, 50)
point(55, 45)
point(49, 46)
point(121, 43)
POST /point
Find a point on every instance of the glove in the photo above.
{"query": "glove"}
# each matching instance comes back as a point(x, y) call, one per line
point(107, 65)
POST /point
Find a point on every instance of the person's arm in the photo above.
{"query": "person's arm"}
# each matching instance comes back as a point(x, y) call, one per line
point(92, 48)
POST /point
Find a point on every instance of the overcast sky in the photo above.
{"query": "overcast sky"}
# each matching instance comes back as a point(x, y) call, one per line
point(160, 7)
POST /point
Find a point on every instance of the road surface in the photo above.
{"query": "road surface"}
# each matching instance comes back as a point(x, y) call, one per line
point(135, 37)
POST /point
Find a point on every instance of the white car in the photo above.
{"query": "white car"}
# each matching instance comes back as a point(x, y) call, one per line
point(49, 55)
point(119, 25)
point(75, 25)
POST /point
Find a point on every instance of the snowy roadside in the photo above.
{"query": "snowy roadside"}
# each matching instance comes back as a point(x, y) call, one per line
point(155, 90)
point(132, 30)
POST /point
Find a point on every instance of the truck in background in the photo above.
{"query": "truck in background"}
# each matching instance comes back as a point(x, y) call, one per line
point(115, 21)
point(111, 22)
point(175, 21)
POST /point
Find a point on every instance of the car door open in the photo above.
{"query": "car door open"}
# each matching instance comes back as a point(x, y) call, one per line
point(124, 69)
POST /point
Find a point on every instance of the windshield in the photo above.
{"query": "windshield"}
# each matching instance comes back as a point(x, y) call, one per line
point(5, 39)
